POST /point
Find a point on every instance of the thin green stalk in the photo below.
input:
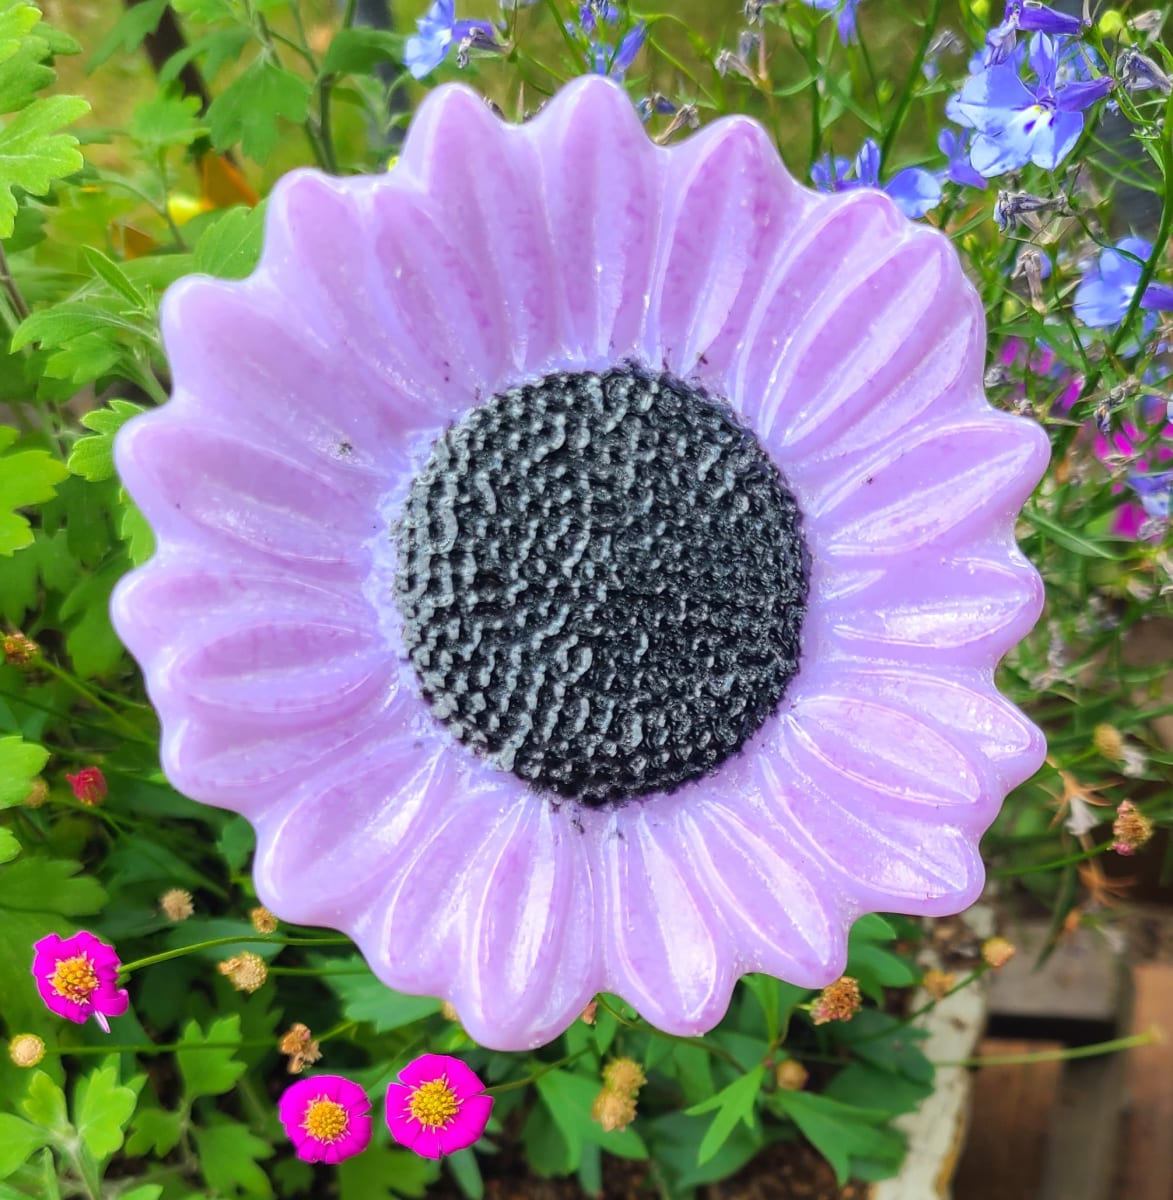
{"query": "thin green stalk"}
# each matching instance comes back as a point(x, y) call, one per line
point(497, 1089)
point(1148, 1038)
point(87, 693)
point(918, 61)
point(266, 939)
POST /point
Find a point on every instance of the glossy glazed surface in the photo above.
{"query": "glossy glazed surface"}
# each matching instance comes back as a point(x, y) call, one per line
point(307, 396)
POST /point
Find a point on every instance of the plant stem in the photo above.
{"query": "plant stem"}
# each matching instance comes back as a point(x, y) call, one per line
point(1148, 1038)
point(267, 939)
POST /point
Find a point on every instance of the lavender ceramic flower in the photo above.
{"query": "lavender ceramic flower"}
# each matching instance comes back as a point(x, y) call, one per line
point(585, 563)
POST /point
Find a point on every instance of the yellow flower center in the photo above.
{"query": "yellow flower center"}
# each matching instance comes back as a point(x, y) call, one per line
point(434, 1103)
point(75, 979)
point(325, 1120)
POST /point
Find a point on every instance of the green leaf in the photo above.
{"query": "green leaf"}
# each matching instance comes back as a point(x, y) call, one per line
point(569, 1097)
point(9, 846)
point(26, 477)
point(733, 1103)
point(248, 110)
point(840, 1132)
point(870, 1087)
point(207, 11)
point(112, 274)
point(32, 156)
point(129, 32)
point(210, 1071)
point(467, 1173)
point(381, 1174)
point(149, 1191)
point(1069, 540)
point(18, 1140)
point(91, 641)
point(230, 246)
point(101, 1109)
point(228, 1156)
point(20, 763)
point(45, 1105)
point(167, 121)
point(49, 885)
point(93, 457)
point(17, 17)
point(358, 49)
point(134, 531)
point(872, 928)
point(154, 1131)
point(366, 998)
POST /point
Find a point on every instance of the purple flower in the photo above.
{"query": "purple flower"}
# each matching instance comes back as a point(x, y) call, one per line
point(914, 189)
point(955, 147)
point(437, 29)
point(848, 32)
point(1106, 290)
point(596, 802)
point(1026, 16)
point(591, 12)
point(605, 61)
point(1019, 121)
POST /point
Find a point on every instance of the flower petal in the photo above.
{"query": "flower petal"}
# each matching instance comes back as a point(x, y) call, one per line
point(729, 203)
point(602, 195)
point(468, 1126)
point(481, 191)
point(663, 950)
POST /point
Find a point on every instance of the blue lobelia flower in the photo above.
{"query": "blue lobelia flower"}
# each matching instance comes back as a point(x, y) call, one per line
point(1106, 290)
point(955, 147)
point(848, 31)
point(436, 30)
point(1019, 121)
point(914, 189)
point(1025, 16)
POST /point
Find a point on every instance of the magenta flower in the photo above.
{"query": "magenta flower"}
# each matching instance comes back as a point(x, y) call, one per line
point(78, 978)
point(1146, 450)
point(438, 1107)
point(326, 1117)
point(585, 563)
point(88, 785)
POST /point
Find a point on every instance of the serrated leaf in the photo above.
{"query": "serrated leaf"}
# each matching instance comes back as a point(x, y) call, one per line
point(20, 763)
point(9, 846)
point(16, 19)
point(45, 1106)
point(366, 998)
point(167, 121)
point(208, 11)
point(101, 1109)
point(112, 274)
point(248, 110)
point(568, 1098)
point(383, 1174)
point(733, 1103)
point(135, 532)
point(27, 477)
point(49, 885)
point(229, 248)
point(228, 1156)
point(839, 1132)
point(93, 457)
point(129, 31)
point(25, 74)
point(210, 1070)
point(32, 155)
point(18, 1141)
point(92, 644)
point(64, 323)
point(356, 50)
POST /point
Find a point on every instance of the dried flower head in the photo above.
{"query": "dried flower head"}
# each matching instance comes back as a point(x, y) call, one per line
point(176, 904)
point(1109, 741)
point(89, 786)
point(839, 1001)
point(437, 1107)
point(791, 1075)
point(448, 1011)
point(624, 1075)
point(299, 1044)
point(26, 1049)
point(20, 651)
point(38, 793)
point(998, 951)
point(590, 1013)
point(613, 1110)
point(246, 971)
point(326, 1118)
point(1131, 829)
point(938, 984)
point(262, 919)
point(78, 978)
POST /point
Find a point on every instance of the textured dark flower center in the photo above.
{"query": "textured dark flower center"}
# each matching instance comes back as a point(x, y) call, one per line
point(602, 580)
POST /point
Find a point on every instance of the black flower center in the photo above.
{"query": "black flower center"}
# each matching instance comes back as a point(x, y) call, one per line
point(602, 580)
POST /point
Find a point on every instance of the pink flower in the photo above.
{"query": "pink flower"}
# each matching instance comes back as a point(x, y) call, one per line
point(78, 977)
point(89, 785)
point(1148, 470)
point(326, 1117)
point(439, 1106)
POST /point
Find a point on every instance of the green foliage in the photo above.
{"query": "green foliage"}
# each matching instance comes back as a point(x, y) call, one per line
point(248, 110)
point(93, 457)
point(20, 764)
point(27, 477)
point(33, 155)
point(207, 1061)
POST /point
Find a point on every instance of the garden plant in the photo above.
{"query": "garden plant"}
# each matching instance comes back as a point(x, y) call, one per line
point(623, 521)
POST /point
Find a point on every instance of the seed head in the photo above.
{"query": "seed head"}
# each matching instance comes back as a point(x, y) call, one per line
point(176, 904)
point(1109, 741)
point(38, 793)
point(613, 1110)
point(1131, 829)
point(246, 971)
point(791, 1075)
point(300, 1046)
point(625, 1076)
point(262, 919)
point(998, 951)
point(26, 1049)
point(839, 1001)
point(938, 984)
point(20, 651)
point(448, 1011)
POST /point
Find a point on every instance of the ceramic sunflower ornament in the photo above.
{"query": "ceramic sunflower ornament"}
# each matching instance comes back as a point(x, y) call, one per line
point(585, 563)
